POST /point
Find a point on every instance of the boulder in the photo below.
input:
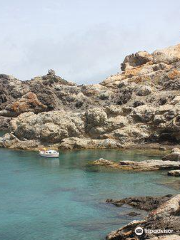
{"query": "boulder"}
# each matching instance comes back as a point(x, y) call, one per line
point(173, 156)
point(135, 60)
point(106, 163)
point(4, 123)
point(11, 141)
point(143, 90)
point(49, 127)
point(174, 173)
point(27, 103)
point(96, 117)
point(167, 55)
point(176, 100)
point(143, 113)
point(171, 207)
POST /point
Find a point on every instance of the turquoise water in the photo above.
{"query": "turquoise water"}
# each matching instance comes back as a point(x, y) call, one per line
point(62, 199)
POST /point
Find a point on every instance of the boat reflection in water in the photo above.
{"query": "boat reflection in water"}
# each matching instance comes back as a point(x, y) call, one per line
point(53, 162)
point(46, 154)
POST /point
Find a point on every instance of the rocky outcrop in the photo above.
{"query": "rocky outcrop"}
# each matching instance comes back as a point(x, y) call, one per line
point(59, 128)
point(27, 103)
point(105, 163)
point(161, 223)
point(168, 55)
point(5, 123)
point(53, 92)
point(146, 165)
point(135, 60)
point(137, 106)
point(174, 173)
point(173, 156)
point(147, 203)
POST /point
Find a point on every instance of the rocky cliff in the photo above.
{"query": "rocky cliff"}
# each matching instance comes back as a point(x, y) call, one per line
point(141, 104)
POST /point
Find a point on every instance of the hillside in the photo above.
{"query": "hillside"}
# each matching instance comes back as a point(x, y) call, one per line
point(141, 104)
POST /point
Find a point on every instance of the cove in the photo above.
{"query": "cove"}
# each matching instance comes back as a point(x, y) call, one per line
point(62, 199)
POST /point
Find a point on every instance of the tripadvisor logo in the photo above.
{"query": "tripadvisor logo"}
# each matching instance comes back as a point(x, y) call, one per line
point(139, 231)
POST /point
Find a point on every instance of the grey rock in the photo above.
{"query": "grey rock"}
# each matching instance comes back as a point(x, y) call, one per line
point(137, 106)
point(174, 173)
point(165, 216)
point(146, 165)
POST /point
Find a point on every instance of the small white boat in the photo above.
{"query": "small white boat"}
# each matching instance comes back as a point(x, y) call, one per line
point(49, 153)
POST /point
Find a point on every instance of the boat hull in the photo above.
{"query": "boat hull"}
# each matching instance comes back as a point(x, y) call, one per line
point(54, 155)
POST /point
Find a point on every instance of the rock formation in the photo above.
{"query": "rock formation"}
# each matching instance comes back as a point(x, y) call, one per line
point(174, 173)
point(137, 106)
point(146, 165)
point(163, 222)
point(147, 203)
point(173, 156)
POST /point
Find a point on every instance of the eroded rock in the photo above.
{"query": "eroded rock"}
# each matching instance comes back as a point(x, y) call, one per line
point(147, 203)
point(174, 173)
point(146, 165)
point(164, 217)
point(137, 106)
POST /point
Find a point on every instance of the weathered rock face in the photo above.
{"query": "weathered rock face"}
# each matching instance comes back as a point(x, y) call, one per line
point(28, 102)
point(49, 127)
point(165, 217)
point(136, 60)
point(51, 91)
point(139, 105)
point(65, 129)
point(4, 123)
point(168, 55)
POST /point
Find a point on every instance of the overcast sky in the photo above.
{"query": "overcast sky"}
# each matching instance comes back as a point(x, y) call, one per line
point(83, 41)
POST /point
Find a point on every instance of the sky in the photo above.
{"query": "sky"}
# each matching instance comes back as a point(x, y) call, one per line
point(83, 41)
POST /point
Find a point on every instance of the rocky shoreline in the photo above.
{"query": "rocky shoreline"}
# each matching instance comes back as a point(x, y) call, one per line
point(147, 203)
point(163, 218)
point(138, 106)
point(168, 162)
point(163, 214)
point(146, 165)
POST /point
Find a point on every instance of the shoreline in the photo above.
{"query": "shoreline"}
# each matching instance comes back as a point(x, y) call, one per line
point(10, 141)
point(147, 222)
point(162, 213)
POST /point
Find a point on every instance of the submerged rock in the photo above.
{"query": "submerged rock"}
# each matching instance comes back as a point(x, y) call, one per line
point(147, 203)
point(105, 163)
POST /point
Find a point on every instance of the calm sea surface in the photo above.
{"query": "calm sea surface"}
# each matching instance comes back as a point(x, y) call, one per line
point(63, 199)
